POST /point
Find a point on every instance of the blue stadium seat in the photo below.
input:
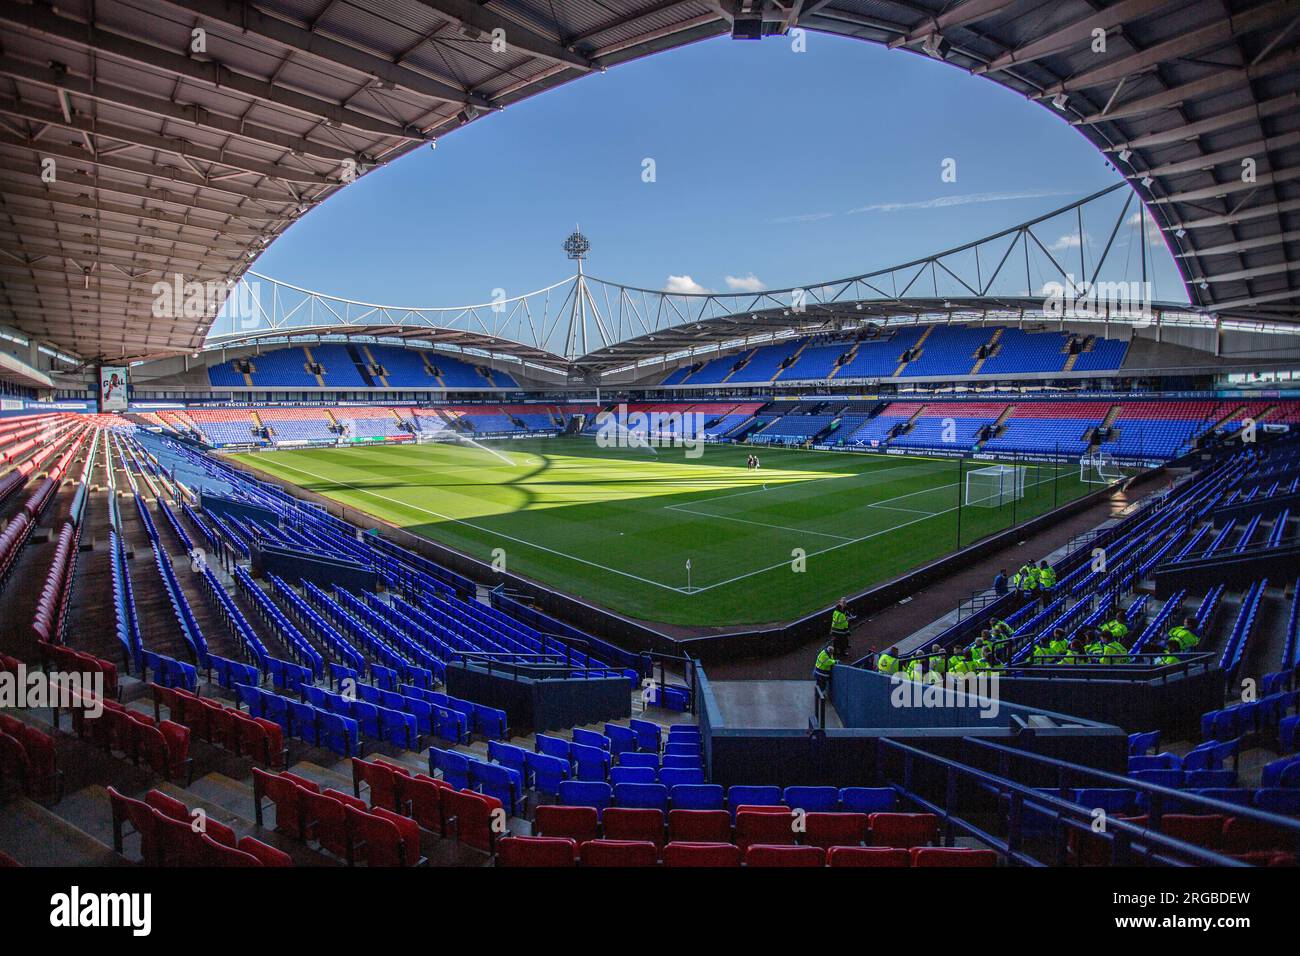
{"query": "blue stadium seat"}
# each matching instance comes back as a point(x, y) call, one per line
point(677, 776)
point(652, 796)
point(585, 793)
point(621, 774)
point(650, 760)
point(648, 735)
point(703, 796)
point(547, 772)
point(592, 763)
point(868, 799)
point(812, 799)
point(453, 766)
point(751, 796)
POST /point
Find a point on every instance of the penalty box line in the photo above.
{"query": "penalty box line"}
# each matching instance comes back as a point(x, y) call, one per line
point(470, 524)
point(851, 541)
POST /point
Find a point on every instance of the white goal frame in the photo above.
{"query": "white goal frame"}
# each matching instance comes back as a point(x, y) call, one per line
point(1099, 469)
point(994, 486)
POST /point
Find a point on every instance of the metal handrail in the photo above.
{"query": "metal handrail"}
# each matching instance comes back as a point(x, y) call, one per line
point(1158, 793)
point(1068, 814)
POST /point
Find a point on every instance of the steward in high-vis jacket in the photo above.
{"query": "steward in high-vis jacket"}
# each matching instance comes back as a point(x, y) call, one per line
point(1042, 653)
point(1115, 629)
point(840, 626)
point(822, 669)
point(887, 661)
point(957, 663)
point(1182, 637)
point(938, 662)
point(1046, 576)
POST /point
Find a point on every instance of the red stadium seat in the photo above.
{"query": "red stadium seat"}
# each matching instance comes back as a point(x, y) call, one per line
point(826, 830)
point(536, 851)
point(325, 820)
point(763, 826)
point(867, 856)
point(577, 823)
point(903, 829)
point(383, 838)
point(143, 820)
point(216, 854)
point(473, 818)
point(701, 854)
point(952, 856)
point(762, 855)
point(420, 798)
point(1205, 830)
point(619, 853)
point(1247, 836)
point(698, 826)
point(288, 793)
point(266, 855)
point(381, 780)
point(628, 823)
point(408, 831)
point(173, 808)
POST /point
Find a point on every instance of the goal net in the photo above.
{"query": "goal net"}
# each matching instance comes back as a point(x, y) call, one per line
point(994, 486)
point(1099, 469)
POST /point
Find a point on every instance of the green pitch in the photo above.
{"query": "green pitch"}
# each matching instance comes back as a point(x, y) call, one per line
point(617, 526)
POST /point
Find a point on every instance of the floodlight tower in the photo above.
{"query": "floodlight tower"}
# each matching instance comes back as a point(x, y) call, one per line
point(576, 247)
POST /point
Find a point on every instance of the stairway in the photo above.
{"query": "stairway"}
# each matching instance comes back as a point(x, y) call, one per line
point(990, 350)
point(320, 379)
point(744, 362)
point(916, 351)
point(794, 360)
point(370, 360)
point(1111, 415)
point(848, 359)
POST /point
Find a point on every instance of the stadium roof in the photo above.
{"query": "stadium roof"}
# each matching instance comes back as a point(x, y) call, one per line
point(143, 138)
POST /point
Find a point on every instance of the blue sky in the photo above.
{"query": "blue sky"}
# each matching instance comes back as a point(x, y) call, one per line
point(773, 168)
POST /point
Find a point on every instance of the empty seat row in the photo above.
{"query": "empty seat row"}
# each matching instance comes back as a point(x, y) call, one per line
point(170, 835)
point(562, 852)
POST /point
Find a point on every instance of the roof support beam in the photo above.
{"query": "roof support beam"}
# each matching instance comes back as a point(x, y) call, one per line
point(148, 170)
point(1232, 186)
point(168, 144)
point(246, 18)
point(13, 190)
point(1178, 95)
point(156, 106)
point(157, 195)
point(1216, 33)
point(1074, 34)
point(1232, 248)
point(519, 37)
point(206, 71)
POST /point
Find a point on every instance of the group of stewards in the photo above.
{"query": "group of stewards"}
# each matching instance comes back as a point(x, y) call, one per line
point(995, 648)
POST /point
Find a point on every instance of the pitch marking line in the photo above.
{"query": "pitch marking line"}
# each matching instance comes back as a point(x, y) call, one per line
point(499, 534)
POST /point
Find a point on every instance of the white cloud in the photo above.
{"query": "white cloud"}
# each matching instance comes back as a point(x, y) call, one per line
point(1153, 229)
point(1069, 241)
point(803, 217)
point(749, 283)
point(684, 285)
point(966, 199)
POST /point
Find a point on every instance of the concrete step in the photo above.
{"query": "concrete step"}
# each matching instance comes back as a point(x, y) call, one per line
point(35, 836)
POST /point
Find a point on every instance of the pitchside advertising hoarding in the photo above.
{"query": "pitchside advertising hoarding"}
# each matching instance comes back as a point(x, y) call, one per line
point(112, 388)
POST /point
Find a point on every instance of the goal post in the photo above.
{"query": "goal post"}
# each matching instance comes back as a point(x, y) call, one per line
point(994, 486)
point(1099, 469)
